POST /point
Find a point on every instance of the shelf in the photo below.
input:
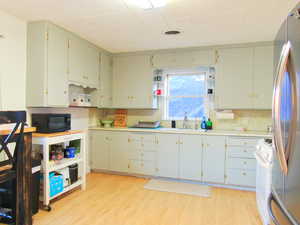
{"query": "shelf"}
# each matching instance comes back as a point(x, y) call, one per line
point(68, 188)
point(86, 107)
point(63, 164)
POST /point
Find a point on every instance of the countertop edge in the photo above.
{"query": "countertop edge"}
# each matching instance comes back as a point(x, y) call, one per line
point(213, 132)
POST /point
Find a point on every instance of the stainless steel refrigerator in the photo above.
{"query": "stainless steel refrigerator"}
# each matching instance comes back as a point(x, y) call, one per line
point(284, 202)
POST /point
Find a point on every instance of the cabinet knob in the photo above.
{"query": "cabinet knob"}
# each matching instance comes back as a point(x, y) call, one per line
point(244, 174)
point(245, 162)
point(65, 92)
point(245, 151)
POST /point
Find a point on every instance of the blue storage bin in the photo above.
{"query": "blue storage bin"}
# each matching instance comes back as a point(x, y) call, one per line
point(56, 183)
point(70, 152)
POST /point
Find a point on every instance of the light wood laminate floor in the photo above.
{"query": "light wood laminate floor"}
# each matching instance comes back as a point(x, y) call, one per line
point(122, 200)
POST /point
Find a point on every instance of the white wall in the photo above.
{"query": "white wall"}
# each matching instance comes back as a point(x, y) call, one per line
point(12, 62)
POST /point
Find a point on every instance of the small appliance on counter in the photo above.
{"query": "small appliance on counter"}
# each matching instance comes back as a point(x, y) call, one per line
point(107, 123)
point(50, 122)
point(147, 124)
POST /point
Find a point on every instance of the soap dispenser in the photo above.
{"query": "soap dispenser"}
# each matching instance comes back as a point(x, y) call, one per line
point(209, 124)
point(203, 123)
point(185, 121)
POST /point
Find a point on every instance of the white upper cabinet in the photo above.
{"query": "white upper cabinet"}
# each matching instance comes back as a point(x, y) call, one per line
point(83, 62)
point(105, 90)
point(234, 78)
point(91, 65)
point(133, 82)
point(184, 59)
point(263, 76)
point(244, 78)
point(47, 79)
point(57, 58)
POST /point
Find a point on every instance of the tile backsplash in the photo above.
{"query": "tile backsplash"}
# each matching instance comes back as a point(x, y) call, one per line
point(253, 120)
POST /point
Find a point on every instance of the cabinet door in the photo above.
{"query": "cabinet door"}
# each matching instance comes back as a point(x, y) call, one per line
point(76, 59)
point(100, 144)
point(132, 82)
point(184, 59)
point(263, 77)
point(234, 88)
point(105, 92)
point(91, 66)
point(118, 152)
point(214, 159)
point(190, 157)
point(168, 155)
point(57, 78)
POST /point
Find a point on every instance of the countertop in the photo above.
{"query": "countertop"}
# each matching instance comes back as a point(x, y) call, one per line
point(261, 134)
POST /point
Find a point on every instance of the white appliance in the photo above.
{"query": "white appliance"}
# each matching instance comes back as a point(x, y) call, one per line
point(264, 157)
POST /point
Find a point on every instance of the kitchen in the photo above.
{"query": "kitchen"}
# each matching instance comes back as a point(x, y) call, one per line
point(157, 128)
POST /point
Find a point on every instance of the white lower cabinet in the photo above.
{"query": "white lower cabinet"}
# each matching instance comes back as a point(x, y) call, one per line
point(241, 163)
point(241, 177)
point(214, 159)
point(190, 157)
point(100, 143)
point(168, 155)
point(142, 153)
point(206, 158)
point(118, 152)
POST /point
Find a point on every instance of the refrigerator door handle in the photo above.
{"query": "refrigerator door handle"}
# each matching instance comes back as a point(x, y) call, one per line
point(270, 211)
point(285, 64)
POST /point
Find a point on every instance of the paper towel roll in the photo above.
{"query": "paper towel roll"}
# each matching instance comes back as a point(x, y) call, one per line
point(225, 115)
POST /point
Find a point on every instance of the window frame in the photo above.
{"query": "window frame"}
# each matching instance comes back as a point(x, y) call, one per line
point(168, 97)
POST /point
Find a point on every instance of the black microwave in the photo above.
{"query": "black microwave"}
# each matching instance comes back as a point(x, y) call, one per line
point(50, 122)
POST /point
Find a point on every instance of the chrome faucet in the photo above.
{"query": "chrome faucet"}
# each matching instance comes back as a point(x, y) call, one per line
point(185, 121)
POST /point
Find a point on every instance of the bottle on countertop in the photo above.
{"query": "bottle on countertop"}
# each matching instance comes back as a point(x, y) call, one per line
point(209, 124)
point(185, 121)
point(203, 123)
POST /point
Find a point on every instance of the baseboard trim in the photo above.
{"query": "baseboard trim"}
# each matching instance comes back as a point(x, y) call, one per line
point(235, 187)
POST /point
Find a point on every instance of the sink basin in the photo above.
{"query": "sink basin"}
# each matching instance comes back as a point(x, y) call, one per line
point(187, 129)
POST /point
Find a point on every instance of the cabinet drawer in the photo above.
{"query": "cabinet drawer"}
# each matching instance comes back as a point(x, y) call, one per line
point(249, 142)
point(241, 177)
point(142, 167)
point(149, 167)
point(148, 156)
point(241, 152)
point(143, 137)
point(134, 154)
point(239, 163)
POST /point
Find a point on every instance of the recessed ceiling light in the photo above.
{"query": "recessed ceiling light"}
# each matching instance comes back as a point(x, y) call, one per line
point(148, 4)
point(172, 32)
